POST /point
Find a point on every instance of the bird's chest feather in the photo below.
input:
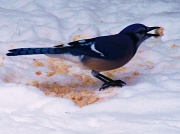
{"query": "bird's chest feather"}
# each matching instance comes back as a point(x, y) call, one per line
point(106, 64)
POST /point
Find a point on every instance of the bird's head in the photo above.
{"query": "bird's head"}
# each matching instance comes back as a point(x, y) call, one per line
point(139, 32)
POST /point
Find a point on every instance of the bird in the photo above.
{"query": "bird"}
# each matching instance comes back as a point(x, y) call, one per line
point(98, 54)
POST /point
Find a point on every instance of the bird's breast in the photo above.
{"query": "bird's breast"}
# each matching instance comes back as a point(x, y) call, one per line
point(105, 64)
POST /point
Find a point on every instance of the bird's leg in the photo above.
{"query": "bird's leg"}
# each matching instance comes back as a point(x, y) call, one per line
point(99, 76)
point(107, 81)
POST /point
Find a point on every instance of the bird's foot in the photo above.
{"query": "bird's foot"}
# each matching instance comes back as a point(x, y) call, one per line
point(112, 83)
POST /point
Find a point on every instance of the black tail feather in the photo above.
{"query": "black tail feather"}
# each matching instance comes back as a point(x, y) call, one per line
point(31, 51)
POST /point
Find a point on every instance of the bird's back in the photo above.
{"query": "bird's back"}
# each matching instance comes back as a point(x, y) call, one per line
point(116, 46)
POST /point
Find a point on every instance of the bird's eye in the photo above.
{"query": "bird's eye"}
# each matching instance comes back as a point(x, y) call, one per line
point(141, 32)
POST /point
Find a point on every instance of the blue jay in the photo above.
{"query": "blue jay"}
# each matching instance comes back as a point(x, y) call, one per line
point(98, 54)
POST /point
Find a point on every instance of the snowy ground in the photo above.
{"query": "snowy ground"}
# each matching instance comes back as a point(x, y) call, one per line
point(32, 87)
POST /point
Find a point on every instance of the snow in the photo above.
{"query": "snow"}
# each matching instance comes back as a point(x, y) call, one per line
point(29, 103)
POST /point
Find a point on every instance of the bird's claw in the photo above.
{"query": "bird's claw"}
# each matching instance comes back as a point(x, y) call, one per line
point(113, 83)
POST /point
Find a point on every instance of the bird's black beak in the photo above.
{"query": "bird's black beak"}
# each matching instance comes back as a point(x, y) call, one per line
point(150, 29)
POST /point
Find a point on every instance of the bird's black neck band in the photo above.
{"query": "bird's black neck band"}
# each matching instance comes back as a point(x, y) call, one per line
point(135, 41)
point(134, 38)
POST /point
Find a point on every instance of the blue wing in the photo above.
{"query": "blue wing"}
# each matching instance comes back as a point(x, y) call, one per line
point(83, 47)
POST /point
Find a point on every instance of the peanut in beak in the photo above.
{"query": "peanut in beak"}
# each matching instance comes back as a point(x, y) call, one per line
point(160, 31)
